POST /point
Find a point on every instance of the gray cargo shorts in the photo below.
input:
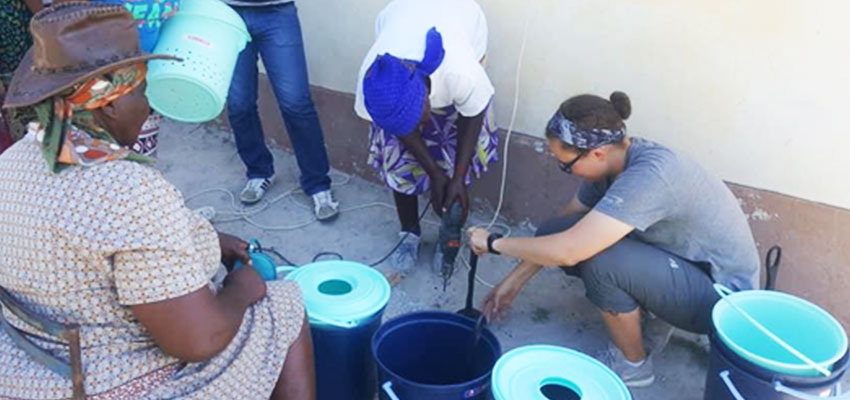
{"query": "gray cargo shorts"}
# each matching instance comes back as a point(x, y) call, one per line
point(632, 274)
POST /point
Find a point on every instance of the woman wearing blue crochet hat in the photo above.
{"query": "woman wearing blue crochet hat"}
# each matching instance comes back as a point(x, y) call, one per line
point(424, 88)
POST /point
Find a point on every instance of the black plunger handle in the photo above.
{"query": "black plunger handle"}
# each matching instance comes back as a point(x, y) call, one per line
point(470, 288)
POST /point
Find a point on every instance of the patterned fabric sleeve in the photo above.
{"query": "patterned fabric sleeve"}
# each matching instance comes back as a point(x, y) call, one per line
point(159, 248)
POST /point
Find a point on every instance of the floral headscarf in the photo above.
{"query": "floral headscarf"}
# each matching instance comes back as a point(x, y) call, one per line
point(66, 127)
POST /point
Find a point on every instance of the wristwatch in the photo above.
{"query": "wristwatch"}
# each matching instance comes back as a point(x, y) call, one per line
point(490, 239)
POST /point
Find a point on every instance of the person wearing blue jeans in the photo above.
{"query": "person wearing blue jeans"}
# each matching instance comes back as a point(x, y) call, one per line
point(276, 37)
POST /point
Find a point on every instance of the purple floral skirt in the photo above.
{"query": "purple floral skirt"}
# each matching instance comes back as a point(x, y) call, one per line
point(399, 168)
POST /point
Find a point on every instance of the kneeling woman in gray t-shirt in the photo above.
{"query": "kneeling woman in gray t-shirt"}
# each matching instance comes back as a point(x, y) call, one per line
point(649, 228)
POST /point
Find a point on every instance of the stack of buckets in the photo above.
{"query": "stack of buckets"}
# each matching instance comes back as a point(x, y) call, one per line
point(429, 356)
point(769, 345)
point(345, 302)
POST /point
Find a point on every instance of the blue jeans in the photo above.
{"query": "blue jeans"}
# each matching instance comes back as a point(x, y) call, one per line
point(276, 36)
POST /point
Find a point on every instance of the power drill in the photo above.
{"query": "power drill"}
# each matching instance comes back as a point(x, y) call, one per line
point(450, 240)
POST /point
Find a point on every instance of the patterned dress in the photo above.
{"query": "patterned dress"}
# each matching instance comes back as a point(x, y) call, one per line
point(83, 245)
point(400, 170)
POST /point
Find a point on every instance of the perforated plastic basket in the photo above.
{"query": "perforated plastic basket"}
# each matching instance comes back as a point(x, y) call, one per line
point(208, 35)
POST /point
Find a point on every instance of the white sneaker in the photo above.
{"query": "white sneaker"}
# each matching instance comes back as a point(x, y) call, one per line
point(406, 256)
point(255, 189)
point(324, 205)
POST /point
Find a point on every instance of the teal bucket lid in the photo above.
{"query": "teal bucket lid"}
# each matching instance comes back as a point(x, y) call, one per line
point(523, 372)
point(823, 341)
point(341, 293)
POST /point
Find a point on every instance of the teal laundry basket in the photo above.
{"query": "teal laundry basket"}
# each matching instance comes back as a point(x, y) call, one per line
point(208, 36)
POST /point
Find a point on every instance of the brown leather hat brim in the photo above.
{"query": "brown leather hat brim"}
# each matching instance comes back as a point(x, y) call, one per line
point(29, 87)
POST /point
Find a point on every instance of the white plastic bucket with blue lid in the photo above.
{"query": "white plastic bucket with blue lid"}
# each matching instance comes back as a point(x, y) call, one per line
point(529, 372)
point(779, 332)
point(208, 36)
point(341, 293)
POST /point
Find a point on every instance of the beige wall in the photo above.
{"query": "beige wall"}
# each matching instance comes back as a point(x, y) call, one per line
point(755, 89)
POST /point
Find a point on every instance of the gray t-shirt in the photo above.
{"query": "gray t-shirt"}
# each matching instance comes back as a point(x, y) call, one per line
point(676, 205)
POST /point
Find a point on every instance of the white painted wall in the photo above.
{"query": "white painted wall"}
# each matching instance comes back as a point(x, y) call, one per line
point(757, 90)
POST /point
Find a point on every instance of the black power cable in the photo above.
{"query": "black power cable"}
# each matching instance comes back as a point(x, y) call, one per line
point(335, 254)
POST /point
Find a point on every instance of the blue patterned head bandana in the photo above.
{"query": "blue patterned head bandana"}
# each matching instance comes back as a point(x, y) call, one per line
point(584, 139)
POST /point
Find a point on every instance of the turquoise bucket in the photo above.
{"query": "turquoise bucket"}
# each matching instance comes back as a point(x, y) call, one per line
point(208, 36)
point(543, 372)
point(345, 302)
point(779, 332)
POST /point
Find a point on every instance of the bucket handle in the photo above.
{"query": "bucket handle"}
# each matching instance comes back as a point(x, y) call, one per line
point(282, 270)
point(724, 375)
point(724, 293)
point(388, 389)
point(336, 323)
point(780, 388)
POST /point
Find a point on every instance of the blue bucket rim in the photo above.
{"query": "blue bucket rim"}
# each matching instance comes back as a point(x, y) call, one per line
point(839, 368)
point(486, 334)
point(786, 296)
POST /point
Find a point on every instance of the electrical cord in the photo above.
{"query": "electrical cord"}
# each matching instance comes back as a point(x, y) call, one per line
point(247, 214)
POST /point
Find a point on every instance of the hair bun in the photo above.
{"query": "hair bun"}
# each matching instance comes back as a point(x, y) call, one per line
point(622, 104)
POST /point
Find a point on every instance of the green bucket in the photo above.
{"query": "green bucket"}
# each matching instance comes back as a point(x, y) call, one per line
point(208, 36)
point(542, 372)
point(779, 332)
point(341, 293)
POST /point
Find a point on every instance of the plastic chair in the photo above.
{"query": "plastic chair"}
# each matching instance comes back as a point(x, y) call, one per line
point(72, 370)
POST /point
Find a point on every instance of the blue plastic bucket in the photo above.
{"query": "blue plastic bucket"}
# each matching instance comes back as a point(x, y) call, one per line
point(208, 36)
point(732, 377)
point(804, 327)
point(345, 302)
point(426, 356)
point(542, 372)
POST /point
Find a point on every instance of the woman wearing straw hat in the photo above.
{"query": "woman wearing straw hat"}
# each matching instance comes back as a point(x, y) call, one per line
point(649, 229)
point(95, 237)
point(425, 90)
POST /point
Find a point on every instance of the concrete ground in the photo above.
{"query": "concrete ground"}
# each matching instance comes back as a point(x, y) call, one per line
point(201, 160)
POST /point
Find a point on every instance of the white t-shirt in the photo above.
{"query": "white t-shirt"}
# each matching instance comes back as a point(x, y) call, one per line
point(460, 80)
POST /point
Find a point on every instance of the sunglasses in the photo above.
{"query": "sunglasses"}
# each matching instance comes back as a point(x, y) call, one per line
point(568, 167)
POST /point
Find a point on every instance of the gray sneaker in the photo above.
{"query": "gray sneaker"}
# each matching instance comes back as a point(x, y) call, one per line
point(324, 205)
point(406, 256)
point(640, 376)
point(255, 189)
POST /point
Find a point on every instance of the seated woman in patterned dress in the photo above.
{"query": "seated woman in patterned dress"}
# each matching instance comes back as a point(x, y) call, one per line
point(90, 234)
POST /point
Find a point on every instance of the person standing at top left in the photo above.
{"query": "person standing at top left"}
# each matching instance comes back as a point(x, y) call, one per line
point(276, 37)
point(15, 39)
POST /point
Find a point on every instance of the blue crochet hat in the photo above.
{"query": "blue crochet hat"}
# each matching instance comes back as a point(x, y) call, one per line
point(394, 89)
